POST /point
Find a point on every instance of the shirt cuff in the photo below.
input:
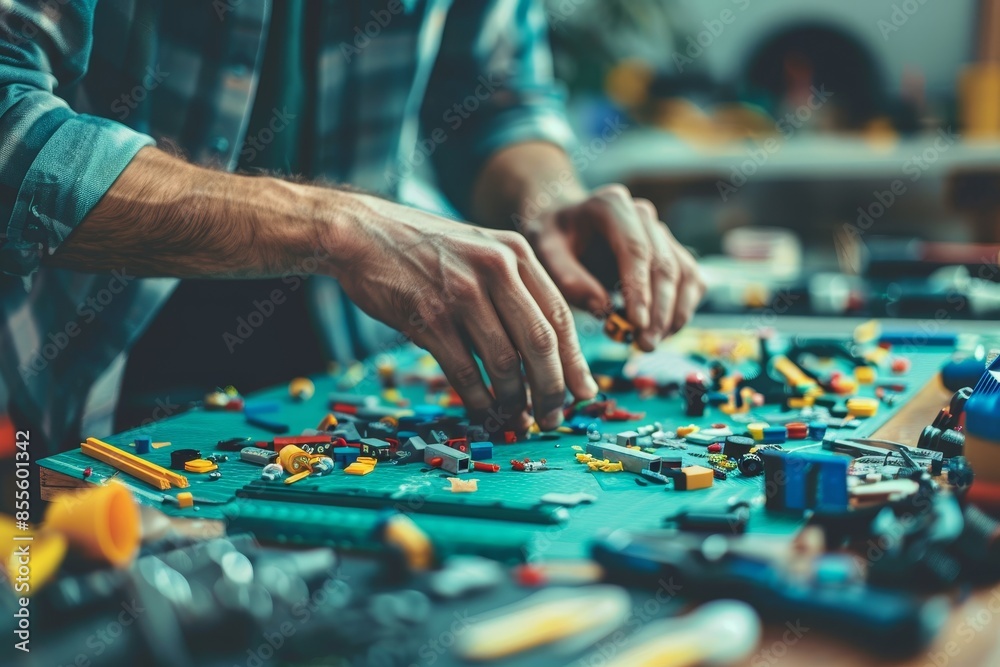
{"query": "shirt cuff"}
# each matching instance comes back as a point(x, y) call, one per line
point(67, 178)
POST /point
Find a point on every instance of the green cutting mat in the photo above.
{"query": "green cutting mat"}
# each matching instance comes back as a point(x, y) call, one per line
point(624, 500)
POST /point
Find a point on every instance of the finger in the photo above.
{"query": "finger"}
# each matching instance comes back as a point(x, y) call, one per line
point(576, 283)
point(664, 277)
point(576, 371)
point(536, 342)
point(502, 364)
point(458, 365)
point(619, 222)
point(691, 288)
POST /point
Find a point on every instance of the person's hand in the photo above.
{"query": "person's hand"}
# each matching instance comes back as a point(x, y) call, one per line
point(657, 276)
point(453, 289)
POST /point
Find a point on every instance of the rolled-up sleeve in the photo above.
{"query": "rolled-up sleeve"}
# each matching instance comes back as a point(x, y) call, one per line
point(55, 164)
point(492, 86)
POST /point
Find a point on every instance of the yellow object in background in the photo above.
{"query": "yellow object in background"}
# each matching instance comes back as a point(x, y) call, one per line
point(979, 100)
point(865, 374)
point(301, 389)
point(101, 522)
point(862, 407)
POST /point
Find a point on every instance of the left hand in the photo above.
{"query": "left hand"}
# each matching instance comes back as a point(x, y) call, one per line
point(657, 276)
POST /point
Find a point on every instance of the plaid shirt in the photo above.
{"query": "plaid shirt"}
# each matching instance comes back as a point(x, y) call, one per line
point(85, 84)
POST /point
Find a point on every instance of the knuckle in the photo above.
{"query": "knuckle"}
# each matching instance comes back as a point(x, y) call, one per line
point(615, 192)
point(517, 243)
point(646, 207)
point(465, 376)
point(542, 338)
point(497, 258)
point(507, 362)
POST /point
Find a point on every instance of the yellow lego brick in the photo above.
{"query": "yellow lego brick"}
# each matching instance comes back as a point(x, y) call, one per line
point(865, 374)
point(185, 499)
point(862, 406)
point(358, 469)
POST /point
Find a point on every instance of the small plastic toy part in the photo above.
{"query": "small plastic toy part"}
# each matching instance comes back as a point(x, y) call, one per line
point(479, 466)
point(180, 457)
point(690, 478)
point(460, 485)
point(750, 465)
point(865, 374)
point(694, 395)
point(797, 430)
point(756, 430)
point(817, 430)
point(200, 466)
point(737, 445)
point(102, 522)
point(154, 475)
point(143, 443)
point(301, 389)
point(185, 499)
point(900, 365)
point(329, 422)
point(272, 472)
point(299, 476)
point(481, 450)
point(684, 431)
point(774, 435)
point(214, 476)
point(403, 536)
point(617, 328)
point(862, 407)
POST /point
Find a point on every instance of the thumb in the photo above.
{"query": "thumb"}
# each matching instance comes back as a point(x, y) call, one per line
point(577, 284)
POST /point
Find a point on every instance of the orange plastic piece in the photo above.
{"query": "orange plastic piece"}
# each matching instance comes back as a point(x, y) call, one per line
point(102, 522)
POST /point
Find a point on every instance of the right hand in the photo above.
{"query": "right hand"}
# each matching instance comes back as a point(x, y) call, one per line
point(455, 289)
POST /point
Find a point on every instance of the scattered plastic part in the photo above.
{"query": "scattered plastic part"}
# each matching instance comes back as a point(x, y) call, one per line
point(301, 389)
point(462, 485)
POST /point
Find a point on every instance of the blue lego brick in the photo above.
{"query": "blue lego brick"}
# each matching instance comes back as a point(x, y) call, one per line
point(775, 435)
point(345, 456)
point(481, 450)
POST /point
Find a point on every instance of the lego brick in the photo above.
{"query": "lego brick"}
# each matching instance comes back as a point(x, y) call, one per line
point(411, 450)
point(626, 438)
point(633, 460)
point(376, 448)
point(481, 450)
point(691, 478)
point(452, 460)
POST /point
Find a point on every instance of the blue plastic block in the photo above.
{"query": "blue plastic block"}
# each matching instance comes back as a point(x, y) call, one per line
point(815, 481)
point(481, 450)
point(345, 456)
point(983, 407)
point(143, 443)
point(774, 435)
point(259, 407)
point(817, 430)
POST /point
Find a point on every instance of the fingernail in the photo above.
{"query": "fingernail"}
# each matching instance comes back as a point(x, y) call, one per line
point(641, 316)
point(592, 385)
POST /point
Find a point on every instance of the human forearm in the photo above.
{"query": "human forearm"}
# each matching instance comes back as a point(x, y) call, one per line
point(165, 217)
